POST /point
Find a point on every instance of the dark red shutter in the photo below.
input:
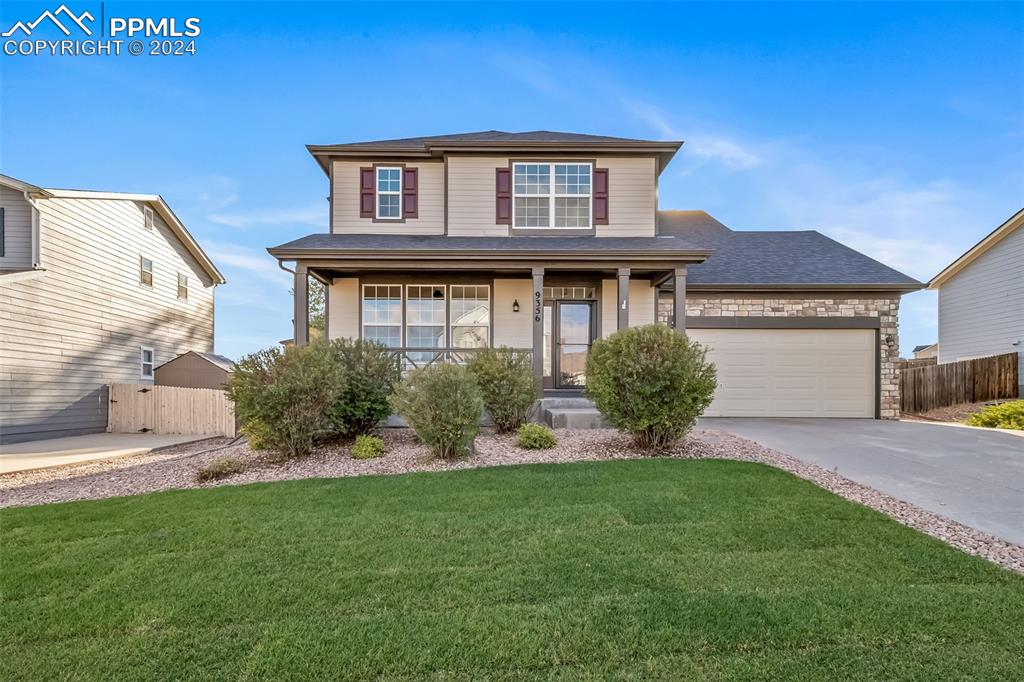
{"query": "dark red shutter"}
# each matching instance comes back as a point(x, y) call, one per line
point(503, 196)
point(409, 191)
point(600, 196)
point(367, 193)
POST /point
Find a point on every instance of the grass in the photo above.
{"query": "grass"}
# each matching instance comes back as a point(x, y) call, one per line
point(635, 569)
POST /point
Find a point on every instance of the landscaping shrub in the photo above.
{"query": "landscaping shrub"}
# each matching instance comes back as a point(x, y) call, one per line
point(1008, 415)
point(222, 467)
point(651, 382)
point(369, 374)
point(368, 447)
point(507, 383)
point(259, 435)
point(535, 437)
point(284, 395)
point(442, 404)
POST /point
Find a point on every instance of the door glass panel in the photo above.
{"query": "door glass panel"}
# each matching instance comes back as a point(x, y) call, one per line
point(574, 329)
point(574, 323)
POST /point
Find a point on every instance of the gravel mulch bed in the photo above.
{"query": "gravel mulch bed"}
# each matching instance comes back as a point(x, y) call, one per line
point(953, 413)
point(176, 468)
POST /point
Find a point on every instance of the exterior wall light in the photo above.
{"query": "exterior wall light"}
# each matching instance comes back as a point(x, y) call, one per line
point(515, 306)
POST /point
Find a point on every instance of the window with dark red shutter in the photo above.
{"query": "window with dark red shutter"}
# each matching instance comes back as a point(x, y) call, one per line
point(600, 196)
point(503, 196)
point(410, 187)
point(367, 193)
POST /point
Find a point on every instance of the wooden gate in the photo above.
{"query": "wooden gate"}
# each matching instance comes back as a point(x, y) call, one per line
point(144, 408)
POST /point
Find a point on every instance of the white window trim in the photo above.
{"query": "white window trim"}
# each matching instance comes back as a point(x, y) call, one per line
point(551, 195)
point(148, 221)
point(379, 193)
point(490, 314)
point(152, 271)
point(143, 363)
point(407, 324)
point(401, 312)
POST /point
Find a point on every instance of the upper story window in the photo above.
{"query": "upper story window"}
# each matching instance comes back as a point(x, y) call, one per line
point(145, 271)
point(147, 217)
point(389, 192)
point(183, 286)
point(552, 195)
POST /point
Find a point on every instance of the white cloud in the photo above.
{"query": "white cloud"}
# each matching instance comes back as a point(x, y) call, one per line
point(314, 215)
point(533, 73)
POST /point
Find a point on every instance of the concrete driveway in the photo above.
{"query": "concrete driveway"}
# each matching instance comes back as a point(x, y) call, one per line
point(973, 476)
point(52, 452)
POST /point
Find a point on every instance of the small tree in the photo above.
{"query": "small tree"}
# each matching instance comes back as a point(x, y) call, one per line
point(370, 372)
point(442, 404)
point(286, 394)
point(650, 382)
point(507, 383)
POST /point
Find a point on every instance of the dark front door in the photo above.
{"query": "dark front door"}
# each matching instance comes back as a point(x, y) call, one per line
point(574, 322)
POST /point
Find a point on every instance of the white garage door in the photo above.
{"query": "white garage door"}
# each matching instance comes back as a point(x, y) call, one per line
point(791, 372)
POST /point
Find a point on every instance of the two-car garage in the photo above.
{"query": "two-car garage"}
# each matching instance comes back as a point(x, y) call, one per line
point(792, 372)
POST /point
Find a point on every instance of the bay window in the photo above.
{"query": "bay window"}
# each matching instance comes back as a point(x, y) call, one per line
point(382, 314)
point(425, 319)
point(471, 316)
point(551, 195)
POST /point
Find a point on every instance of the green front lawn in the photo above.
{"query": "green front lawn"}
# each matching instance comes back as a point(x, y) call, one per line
point(636, 569)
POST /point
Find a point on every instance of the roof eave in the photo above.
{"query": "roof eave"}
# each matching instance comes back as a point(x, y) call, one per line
point(283, 253)
point(901, 287)
point(987, 242)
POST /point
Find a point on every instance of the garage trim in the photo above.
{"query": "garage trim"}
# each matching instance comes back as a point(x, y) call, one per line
point(701, 322)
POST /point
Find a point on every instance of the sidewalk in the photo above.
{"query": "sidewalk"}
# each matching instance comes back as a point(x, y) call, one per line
point(41, 454)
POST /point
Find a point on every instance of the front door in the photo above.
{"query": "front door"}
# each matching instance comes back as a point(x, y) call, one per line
point(574, 321)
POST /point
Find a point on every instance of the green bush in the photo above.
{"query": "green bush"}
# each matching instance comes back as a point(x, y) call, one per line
point(535, 437)
point(1008, 415)
point(368, 447)
point(369, 374)
point(507, 383)
point(259, 435)
point(651, 382)
point(442, 404)
point(284, 395)
point(222, 467)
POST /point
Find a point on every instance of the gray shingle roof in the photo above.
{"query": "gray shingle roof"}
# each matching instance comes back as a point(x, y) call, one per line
point(398, 242)
point(221, 361)
point(492, 136)
point(774, 258)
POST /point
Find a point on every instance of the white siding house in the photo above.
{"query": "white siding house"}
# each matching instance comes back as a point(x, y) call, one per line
point(119, 288)
point(981, 297)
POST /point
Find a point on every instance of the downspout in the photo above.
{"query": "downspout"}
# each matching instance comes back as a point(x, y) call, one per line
point(35, 228)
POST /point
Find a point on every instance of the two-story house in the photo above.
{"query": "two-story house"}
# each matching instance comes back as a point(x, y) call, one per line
point(95, 288)
point(546, 241)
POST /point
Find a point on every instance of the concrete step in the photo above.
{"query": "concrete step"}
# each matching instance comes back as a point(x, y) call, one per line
point(574, 418)
point(567, 402)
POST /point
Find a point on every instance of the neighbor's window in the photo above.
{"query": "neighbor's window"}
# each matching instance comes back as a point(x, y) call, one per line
point(147, 217)
point(145, 362)
point(389, 192)
point(552, 195)
point(424, 319)
point(471, 316)
point(182, 286)
point(145, 271)
point(382, 314)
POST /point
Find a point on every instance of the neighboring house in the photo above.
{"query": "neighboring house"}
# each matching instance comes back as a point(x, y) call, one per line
point(95, 288)
point(981, 297)
point(547, 241)
point(926, 352)
point(195, 369)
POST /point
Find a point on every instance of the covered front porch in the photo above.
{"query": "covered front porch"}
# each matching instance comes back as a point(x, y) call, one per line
point(430, 312)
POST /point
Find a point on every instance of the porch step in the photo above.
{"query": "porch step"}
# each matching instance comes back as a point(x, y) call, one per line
point(571, 413)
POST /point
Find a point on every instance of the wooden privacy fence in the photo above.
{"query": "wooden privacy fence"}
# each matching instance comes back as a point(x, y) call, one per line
point(967, 381)
point(144, 408)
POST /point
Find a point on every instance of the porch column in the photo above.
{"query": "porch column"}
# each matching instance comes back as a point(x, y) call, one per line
point(622, 305)
point(301, 303)
point(679, 304)
point(538, 322)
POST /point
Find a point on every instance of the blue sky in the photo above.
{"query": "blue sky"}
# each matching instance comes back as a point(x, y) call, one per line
point(896, 129)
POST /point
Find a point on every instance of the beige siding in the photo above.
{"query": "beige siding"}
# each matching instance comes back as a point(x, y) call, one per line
point(65, 334)
point(641, 303)
point(430, 197)
point(343, 315)
point(471, 203)
point(632, 195)
point(981, 308)
point(17, 230)
point(510, 328)
point(609, 312)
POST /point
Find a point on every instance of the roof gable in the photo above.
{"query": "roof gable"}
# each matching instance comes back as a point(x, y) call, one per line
point(991, 239)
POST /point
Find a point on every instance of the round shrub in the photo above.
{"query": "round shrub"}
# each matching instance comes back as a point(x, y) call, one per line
point(507, 383)
point(442, 404)
point(222, 467)
point(368, 447)
point(284, 395)
point(651, 382)
point(1008, 415)
point(369, 374)
point(535, 437)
